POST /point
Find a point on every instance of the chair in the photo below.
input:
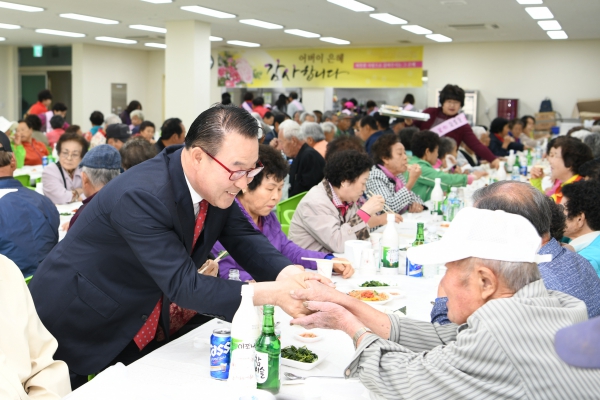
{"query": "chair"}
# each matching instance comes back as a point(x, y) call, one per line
point(24, 179)
point(288, 205)
point(28, 279)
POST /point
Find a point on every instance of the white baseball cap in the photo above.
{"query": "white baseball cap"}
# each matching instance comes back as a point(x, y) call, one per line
point(493, 235)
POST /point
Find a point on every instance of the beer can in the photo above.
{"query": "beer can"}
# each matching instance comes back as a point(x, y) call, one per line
point(44, 161)
point(220, 353)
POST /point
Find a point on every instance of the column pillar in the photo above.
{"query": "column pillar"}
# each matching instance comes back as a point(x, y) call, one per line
point(313, 99)
point(187, 70)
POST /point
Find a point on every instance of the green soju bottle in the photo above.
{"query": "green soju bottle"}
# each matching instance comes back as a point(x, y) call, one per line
point(268, 355)
point(416, 270)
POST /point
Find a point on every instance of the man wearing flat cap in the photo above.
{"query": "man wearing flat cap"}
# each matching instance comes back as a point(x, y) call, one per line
point(501, 342)
point(99, 166)
point(117, 135)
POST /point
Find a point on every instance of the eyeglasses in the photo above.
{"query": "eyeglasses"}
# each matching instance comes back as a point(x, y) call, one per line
point(68, 155)
point(235, 175)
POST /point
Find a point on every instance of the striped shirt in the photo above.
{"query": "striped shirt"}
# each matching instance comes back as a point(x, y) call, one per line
point(505, 350)
point(379, 183)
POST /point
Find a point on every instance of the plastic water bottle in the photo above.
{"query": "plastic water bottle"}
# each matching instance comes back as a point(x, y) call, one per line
point(437, 196)
point(453, 204)
point(389, 248)
point(516, 175)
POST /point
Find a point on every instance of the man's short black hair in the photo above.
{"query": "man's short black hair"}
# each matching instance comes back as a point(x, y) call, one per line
point(383, 121)
point(293, 95)
point(276, 166)
point(346, 165)
point(258, 101)
point(452, 92)
point(279, 118)
point(498, 125)
point(60, 107)
point(557, 225)
point(582, 197)
point(406, 136)
point(34, 122)
point(422, 141)
point(97, 118)
point(209, 129)
point(225, 98)
point(170, 127)
point(369, 121)
point(591, 169)
point(146, 124)
point(44, 95)
point(57, 121)
point(248, 96)
point(382, 148)
point(267, 115)
point(371, 104)
point(573, 151)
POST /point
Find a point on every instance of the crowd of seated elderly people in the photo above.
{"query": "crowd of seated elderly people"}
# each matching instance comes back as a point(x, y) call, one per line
point(349, 166)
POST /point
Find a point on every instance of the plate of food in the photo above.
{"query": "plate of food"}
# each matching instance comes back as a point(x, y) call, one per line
point(301, 357)
point(308, 337)
point(371, 296)
point(377, 285)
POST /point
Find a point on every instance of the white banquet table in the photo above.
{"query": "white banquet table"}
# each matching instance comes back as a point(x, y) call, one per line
point(180, 369)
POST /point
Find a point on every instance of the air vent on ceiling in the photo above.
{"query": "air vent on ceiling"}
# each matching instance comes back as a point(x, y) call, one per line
point(473, 27)
point(452, 3)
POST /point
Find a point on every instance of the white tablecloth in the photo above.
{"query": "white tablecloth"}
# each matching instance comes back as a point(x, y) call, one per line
point(180, 370)
point(69, 209)
point(34, 172)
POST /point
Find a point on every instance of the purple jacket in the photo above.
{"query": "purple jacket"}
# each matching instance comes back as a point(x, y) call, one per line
point(272, 230)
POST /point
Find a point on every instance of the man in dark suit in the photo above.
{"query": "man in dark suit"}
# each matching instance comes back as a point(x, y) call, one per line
point(307, 168)
point(107, 288)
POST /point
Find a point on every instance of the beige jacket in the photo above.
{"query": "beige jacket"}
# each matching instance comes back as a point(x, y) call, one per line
point(27, 369)
point(318, 225)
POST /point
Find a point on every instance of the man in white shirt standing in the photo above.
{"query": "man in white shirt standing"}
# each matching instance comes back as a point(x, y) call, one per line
point(294, 104)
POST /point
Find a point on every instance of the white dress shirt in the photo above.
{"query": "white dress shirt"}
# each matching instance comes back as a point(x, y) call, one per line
point(196, 198)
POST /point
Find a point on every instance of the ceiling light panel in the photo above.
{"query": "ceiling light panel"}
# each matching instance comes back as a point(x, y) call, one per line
point(551, 25)
point(158, 1)
point(557, 34)
point(260, 24)
point(115, 40)
point(19, 7)
point(87, 18)
point(352, 5)
point(149, 28)
point(2, 39)
point(530, 1)
point(416, 29)
point(215, 39)
point(334, 40)
point(439, 38)
point(157, 45)
point(207, 11)
point(539, 12)
point(300, 32)
point(388, 18)
point(242, 43)
point(9, 26)
point(59, 33)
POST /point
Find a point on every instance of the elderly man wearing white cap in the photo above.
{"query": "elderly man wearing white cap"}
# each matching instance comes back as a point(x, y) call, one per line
point(503, 346)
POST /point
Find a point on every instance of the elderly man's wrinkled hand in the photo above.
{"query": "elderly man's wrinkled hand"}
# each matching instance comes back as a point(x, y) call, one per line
point(318, 292)
point(326, 315)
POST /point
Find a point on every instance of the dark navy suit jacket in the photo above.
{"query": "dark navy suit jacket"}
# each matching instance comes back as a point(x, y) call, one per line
point(130, 246)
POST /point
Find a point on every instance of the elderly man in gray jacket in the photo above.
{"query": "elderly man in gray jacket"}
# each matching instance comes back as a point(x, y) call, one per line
point(501, 344)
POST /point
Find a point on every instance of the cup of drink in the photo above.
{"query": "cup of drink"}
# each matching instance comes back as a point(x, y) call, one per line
point(367, 262)
point(325, 268)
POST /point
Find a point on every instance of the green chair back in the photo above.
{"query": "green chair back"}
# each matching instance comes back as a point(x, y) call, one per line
point(28, 279)
point(287, 216)
point(285, 228)
point(24, 179)
point(289, 204)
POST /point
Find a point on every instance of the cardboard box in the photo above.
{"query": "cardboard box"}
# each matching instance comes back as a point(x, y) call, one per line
point(545, 121)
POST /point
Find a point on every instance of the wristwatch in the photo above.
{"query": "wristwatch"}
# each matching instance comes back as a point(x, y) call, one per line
point(359, 333)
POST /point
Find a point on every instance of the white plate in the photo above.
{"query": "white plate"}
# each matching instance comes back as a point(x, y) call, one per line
point(377, 302)
point(307, 340)
point(305, 366)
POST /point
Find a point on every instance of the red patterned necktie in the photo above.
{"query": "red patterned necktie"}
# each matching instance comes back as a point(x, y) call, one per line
point(178, 316)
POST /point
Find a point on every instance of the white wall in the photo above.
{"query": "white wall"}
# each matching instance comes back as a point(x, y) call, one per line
point(9, 106)
point(95, 68)
point(564, 71)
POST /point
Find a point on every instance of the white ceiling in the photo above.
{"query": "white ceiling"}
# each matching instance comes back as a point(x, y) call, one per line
point(579, 19)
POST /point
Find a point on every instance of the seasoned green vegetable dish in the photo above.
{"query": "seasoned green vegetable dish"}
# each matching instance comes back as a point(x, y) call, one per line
point(301, 354)
point(373, 284)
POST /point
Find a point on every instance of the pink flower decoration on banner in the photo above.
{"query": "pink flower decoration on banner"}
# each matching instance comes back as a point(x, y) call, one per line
point(229, 84)
point(245, 70)
point(222, 72)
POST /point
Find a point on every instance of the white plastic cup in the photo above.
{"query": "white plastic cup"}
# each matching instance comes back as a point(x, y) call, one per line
point(352, 250)
point(368, 263)
point(325, 268)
